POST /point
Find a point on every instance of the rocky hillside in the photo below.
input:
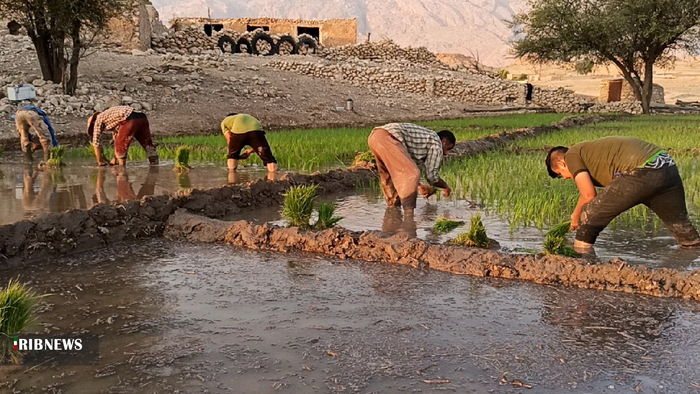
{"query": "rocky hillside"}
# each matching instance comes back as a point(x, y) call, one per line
point(454, 26)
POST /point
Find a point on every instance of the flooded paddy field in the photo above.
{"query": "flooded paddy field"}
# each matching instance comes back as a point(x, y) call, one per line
point(182, 317)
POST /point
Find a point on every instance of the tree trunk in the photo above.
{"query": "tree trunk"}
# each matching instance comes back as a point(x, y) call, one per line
point(50, 57)
point(74, 58)
point(648, 89)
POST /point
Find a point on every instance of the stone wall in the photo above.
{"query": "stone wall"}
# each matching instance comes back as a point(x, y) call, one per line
point(657, 97)
point(133, 30)
point(333, 32)
point(465, 88)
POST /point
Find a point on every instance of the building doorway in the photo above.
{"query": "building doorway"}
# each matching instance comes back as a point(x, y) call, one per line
point(314, 32)
point(209, 29)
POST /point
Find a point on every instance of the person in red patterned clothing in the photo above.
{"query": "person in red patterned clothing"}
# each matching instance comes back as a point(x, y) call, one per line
point(125, 124)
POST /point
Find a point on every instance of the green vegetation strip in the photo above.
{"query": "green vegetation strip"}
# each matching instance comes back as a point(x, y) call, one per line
point(315, 149)
point(517, 188)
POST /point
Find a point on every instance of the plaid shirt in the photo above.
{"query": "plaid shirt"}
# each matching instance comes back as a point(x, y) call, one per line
point(109, 120)
point(423, 145)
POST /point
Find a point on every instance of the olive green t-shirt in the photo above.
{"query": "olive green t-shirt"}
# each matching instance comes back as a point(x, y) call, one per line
point(240, 124)
point(605, 157)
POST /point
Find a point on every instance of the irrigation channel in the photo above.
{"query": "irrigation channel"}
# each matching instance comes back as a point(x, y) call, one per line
point(181, 316)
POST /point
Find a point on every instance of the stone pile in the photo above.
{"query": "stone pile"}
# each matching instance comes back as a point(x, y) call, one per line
point(189, 41)
point(467, 88)
point(382, 51)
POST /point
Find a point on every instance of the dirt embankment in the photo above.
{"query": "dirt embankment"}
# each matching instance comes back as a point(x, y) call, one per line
point(371, 246)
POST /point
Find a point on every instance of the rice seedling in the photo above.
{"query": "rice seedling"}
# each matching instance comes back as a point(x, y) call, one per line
point(318, 149)
point(299, 205)
point(475, 237)
point(56, 157)
point(554, 241)
point(445, 225)
point(182, 159)
point(17, 306)
point(364, 157)
point(326, 216)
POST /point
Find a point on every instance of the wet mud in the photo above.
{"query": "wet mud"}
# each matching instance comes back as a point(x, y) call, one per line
point(181, 317)
point(615, 275)
point(106, 224)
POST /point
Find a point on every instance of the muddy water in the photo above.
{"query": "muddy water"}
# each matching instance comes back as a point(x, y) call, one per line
point(367, 211)
point(26, 192)
point(202, 318)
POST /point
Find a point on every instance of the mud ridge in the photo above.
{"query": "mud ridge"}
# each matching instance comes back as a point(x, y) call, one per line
point(466, 148)
point(614, 275)
point(103, 225)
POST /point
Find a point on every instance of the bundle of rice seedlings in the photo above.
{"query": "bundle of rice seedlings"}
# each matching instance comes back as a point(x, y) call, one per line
point(476, 236)
point(364, 157)
point(17, 306)
point(56, 157)
point(299, 205)
point(326, 218)
point(182, 159)
point(445, 225)
point(554, 241)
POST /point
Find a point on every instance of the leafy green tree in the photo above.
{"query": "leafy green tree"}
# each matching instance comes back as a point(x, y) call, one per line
point(62, 31)
point(634, 35)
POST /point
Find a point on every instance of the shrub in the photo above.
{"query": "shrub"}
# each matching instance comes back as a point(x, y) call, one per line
point(584, 66)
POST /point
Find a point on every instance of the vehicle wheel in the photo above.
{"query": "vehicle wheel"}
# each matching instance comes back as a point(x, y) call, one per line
point(243, 46)
point(286, 46)
point(227, 44)
point(263, 44)
point(306, 45)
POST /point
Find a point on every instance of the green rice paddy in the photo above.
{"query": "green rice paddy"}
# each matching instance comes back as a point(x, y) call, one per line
point(316, 149)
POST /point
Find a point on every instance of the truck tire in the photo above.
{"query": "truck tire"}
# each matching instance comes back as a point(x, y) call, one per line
point(224, 40)
point(310, 43)
point(243, 43)
point(287, 40)
point(265, 38)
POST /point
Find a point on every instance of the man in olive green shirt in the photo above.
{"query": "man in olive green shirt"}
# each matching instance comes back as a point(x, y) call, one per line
point(243, 130)
point(631, 172)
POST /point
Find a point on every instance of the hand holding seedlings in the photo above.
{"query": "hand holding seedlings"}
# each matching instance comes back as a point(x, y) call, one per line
point(247, 153)
point(426, 191)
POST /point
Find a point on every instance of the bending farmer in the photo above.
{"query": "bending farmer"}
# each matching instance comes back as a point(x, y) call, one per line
point(243, 130)
point(400, 148)
point(632, 172)
point(32, 118)
point(125, 124)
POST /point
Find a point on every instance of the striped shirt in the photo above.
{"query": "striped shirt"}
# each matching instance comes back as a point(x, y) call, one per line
point(109, 120)
point(423, 145)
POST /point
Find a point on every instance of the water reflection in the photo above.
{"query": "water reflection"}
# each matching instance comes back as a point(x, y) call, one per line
point(396, 222)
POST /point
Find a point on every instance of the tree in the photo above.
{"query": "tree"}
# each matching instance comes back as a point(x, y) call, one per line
point(634, 35)
point(62, 31)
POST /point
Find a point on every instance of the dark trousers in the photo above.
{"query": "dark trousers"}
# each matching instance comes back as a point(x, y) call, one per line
point(659, 189)
point(254, 139)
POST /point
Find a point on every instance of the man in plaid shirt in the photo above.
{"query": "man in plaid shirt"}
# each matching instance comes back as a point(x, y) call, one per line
point(400, 148)
point(125, 124)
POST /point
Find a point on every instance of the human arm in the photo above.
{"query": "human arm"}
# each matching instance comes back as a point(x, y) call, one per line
point(587, 192)
point(433, 161)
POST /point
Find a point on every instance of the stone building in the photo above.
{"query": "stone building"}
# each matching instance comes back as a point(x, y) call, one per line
point(330, 32)
point(619, 89)
point(134, 29)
